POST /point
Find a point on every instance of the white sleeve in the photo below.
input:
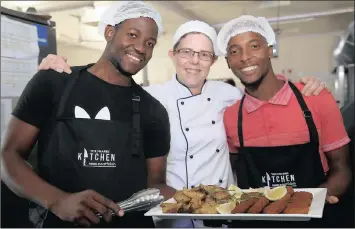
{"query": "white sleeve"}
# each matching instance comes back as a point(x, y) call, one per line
point(157, 91)
point(230, 94)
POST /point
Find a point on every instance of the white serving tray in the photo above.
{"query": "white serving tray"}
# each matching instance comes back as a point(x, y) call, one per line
point(315, 211)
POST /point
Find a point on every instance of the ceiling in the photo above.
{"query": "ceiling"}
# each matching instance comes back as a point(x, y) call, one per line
point(291, 18)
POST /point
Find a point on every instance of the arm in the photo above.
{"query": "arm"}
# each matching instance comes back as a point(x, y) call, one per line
point(339, 175)
point(157, 176)
point(32, 110)
point(16, 173)
point(334, 142)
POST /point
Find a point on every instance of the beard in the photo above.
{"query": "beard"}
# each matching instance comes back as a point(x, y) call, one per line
point(118, 66)
point(253, 85)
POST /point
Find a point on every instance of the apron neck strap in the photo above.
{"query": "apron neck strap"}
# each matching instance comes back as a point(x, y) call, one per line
point(136, 128)
point(67, 90)
point(312, 129)
point(240, 123)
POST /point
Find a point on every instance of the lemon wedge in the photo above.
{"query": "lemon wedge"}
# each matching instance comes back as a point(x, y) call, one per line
point(226, 208)
point(275, 193)
point(234, 190)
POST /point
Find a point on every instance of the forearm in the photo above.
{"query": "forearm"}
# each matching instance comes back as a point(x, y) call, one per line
point(167, 191)
point(24, 182)
point(337, 181)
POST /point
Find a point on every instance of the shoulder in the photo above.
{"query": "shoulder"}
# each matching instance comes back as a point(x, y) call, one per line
point(232, 111)
point(317, 100)
point(226, 90)
point(48, 80)
point(149, 102)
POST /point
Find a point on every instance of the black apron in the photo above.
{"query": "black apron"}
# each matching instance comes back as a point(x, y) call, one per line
point(298, 166)
point(101, 155)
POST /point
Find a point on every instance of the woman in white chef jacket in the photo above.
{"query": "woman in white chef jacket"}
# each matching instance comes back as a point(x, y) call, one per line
point(199, 152)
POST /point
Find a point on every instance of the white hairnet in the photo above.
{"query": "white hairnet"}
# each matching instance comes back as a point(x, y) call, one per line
point(123, 10)
point(196, 26)
point(242, 24)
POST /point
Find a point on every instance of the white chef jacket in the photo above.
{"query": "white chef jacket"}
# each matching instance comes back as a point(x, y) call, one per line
point(199, 151)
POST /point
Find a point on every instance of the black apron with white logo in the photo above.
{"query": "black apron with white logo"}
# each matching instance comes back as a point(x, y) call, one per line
point(101, 155)
point(298, 166)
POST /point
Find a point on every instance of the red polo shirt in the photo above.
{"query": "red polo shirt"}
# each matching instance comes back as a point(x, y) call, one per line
point(280, 121)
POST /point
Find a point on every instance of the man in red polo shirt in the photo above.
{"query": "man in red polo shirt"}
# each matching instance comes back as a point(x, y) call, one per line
point(280, 136)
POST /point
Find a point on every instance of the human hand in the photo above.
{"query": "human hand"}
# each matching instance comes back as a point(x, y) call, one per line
point(79, 208)
point(331, 199)
point(312, 85)
point(57, 63)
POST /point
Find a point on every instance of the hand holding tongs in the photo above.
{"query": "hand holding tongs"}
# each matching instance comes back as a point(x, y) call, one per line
point(140, 201)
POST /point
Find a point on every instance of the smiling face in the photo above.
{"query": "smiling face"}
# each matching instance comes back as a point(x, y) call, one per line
point(248, 56)
point(192, 72)
point(131, 44)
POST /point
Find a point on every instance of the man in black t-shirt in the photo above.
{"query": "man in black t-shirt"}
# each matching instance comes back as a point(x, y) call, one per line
point(101, 137)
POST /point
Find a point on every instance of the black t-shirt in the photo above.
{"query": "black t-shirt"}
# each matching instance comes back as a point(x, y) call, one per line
point(39, 102)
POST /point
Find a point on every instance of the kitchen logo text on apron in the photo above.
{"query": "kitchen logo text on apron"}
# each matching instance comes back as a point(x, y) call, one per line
point(279, 179)
point(97, 158)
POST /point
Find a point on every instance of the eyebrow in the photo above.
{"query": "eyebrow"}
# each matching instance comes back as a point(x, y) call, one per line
point(252, 40)
point(150, 38)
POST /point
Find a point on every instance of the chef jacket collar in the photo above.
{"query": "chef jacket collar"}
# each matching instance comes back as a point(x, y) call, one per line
point(184, 91)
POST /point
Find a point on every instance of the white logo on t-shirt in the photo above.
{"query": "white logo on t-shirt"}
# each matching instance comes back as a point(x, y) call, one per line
point(103, 114)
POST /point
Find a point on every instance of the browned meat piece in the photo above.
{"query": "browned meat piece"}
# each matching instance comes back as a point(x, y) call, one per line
point(221, 195)
point(171, 207)
point(207, 209)
point(194, 194)
point(179, 196)
point(290, 190)
point(186, 208)
point(278, 206)
point(259, 205)
point(210, 188)
point(210, 200)
point(244, 206)
point(296, 209)
point(196, 203)
point(298, 203)
point(302, 196)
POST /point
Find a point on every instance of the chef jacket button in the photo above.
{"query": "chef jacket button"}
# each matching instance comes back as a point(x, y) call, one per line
point(182, 103)
point(213, 122)
point(187, 129)
point(217, 150)
point(220, 181)
point(191, 156)
point(208, 99)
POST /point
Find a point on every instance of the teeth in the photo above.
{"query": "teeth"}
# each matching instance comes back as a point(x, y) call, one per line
point(133, 57)
point(192, 70)
point(249, 68)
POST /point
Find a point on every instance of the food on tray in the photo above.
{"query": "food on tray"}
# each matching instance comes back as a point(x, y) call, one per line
point(275, 193)
point(211, 199)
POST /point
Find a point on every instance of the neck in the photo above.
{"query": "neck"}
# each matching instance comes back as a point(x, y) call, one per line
point(194, 90)
point(267, 89)
point(105, 70)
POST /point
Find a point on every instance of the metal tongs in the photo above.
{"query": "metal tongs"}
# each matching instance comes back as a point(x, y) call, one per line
point(140, 201)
